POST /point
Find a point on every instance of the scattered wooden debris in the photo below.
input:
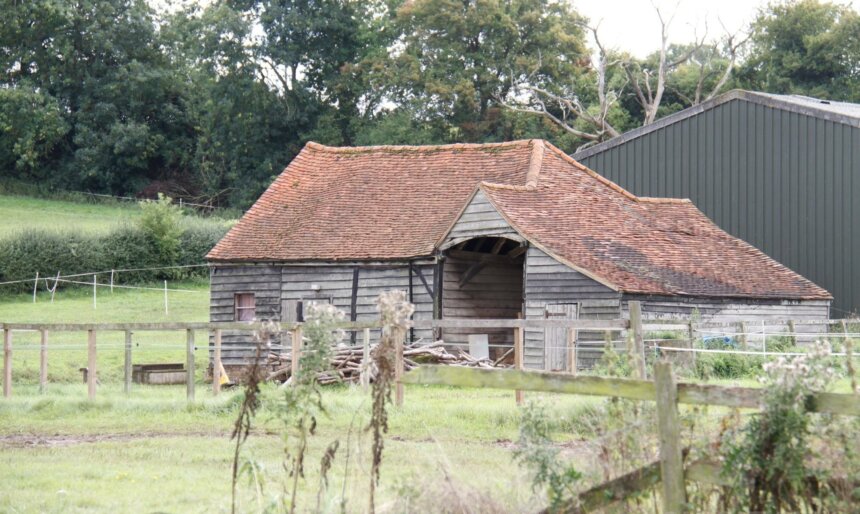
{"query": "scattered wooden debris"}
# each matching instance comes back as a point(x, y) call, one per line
point(347, 366)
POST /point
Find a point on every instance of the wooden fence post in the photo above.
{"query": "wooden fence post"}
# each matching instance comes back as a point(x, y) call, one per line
point(668, 424)
point(35, 287)
point(792, 332)
point(365, 360)
point(216, 364)
point(91, 364)
point(638, 338)
point(518, 359)
point(691, 333)
point(297, 353)
point(571, 351)
point(849, 356)
point(399, 335)
point(189, 365)
point(742, 328)
point(7, 363)
point(43, 360)
point(127, 364)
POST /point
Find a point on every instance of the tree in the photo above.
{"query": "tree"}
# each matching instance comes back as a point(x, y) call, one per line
point(31, 130)
point(100, 62)
point(313, 53)
point(244, 134)
point(617, 88)
point(806, 46)
point(454, 60)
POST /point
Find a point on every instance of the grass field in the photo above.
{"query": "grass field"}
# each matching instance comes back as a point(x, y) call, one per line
point(61, 453)
point(67, 350)
point(21, 212)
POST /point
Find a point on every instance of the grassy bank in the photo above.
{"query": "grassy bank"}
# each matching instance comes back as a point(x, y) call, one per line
point(25, 213)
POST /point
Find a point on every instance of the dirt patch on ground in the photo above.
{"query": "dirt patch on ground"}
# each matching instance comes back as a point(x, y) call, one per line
point(50, 441)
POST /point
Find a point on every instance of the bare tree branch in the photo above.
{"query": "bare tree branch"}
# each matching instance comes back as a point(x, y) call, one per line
point(641, 79)
point(566, 110)
point(733, 46)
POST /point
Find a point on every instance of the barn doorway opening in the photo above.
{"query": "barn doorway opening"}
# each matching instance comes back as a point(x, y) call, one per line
point(483, 279)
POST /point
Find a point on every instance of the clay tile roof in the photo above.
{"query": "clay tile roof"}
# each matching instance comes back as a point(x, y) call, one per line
point(363, 203)
point(397, 202)
point(655, 246)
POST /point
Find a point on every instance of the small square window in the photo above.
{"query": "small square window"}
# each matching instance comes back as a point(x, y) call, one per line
point(245, 307)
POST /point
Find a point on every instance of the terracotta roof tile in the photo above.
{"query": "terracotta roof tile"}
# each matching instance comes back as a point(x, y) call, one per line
point(383, 202)
point(640, 245)
point(397, 202)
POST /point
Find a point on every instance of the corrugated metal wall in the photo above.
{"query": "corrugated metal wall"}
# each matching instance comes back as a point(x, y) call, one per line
point(785, 182)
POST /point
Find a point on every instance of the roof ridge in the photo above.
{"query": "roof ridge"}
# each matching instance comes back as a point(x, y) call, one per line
point(656, 199)
point(507, 187)
point(535, 162)
point(417, 148)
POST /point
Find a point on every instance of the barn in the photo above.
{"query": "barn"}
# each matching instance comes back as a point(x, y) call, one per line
point(484, 231)
point(779, 171)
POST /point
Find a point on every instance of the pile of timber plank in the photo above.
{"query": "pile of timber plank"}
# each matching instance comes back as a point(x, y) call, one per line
point(347, 366)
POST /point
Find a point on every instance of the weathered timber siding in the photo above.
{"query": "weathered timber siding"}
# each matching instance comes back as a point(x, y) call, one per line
point(758, 316)
point(274, 286)
point(480, 219)
point(547, 282)
point(496, 292)
point(336, 282)
point(786, 182)
point(262, 280)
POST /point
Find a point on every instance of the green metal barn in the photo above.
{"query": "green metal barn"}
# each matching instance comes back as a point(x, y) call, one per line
point(779, 171)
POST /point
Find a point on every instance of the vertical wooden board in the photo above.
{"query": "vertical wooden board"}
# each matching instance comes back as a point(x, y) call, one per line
point(399, 338)
point(638, 337)
point(519, 337)
point(189, 365)
point(296, 353)
point(669, 426)
point(216, 364)
point(556, 339)
point(571, 351)
point(365, 360)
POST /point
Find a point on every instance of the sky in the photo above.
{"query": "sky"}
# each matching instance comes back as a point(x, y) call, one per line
point(633, 25)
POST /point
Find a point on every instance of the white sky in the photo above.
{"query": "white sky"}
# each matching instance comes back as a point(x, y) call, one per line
point(632, 25)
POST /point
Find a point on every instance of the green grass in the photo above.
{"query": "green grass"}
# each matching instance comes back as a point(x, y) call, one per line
point(21, 213)
point(67, 350)
point(61, 453)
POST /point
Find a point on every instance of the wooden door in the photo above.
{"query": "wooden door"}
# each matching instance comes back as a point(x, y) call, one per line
point(555, 339)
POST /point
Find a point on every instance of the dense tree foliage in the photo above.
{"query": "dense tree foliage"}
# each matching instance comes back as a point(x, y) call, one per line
point(212, 100)
point(806, 47)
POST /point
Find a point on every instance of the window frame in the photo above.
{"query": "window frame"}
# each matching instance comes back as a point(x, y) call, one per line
point(237, 309)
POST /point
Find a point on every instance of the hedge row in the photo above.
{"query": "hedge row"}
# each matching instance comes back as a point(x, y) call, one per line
point(126, 247)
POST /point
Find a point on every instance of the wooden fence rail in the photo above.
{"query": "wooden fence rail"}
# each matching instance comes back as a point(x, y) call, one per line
point(667, 393)
point(216, 330)
point(636, 327)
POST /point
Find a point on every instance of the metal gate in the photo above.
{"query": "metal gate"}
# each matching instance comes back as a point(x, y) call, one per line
point(555, 339)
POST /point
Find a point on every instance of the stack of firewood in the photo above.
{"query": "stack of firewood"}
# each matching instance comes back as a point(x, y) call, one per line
point(347, 365)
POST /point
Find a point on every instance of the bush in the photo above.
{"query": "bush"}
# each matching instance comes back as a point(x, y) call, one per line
point(163, 241)
point(160, 225)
